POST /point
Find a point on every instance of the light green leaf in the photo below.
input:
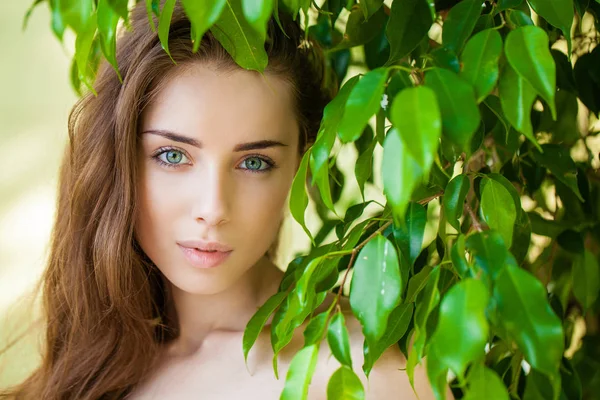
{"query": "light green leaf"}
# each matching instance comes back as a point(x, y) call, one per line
point(298, 195)
point(149, 12)
point(241, 41)
point(557, 12)
point(375, 287)
point(517, 97)
point(202, 15)
point(409, 235)
point(401, 173)
point(363, 102)
point(484, 383)
point(83, 48)
point(300, 373)
point(369, 7)
point(522, 310)
point(480, 62)
point(409, 23)
point(586, 279)
point(416, 116)
point(258, 320)
point(456, 98)
point(459, 24)
point(164, 23)
point(345, 385)
point(462, 307)
point(338, 339)
point(107, 27)
point(417, 283)
point(121, 8)
point(454, 197)
point(527, 50)
point(459, 259)
point(498, 209)
point(257, 13)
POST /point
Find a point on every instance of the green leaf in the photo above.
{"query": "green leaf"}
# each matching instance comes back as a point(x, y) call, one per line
point(204, 14)
point(524, 313)
point(463, 306)
point(314, 331)
point(107, 27)
point(498, 209)
point(517, 97)
point(459, 24)
point(121, 8)
point(257, 13)
point(241, 41)
point(363, 102)
point(338, 339)
point(416, 116)
point(409, 23)
point(454, 197)
point(401, 173)
point(300, 373)
point(375, 287)
point(298, 195)
point(149, 12)
point(557, 12)
point(558, 160)
point(490, 252)
point(360, 31)
point(258, 320)
point(83, 48)
point(345, 385)
point(484, 383)
point(164, 24)
point(397, 326)
point(586, 279)
point(459, 259)
point(456, 98)
point(409, 235)
point(506, 4)
point(480, 62)
point(527, 50)
point(369, 7)
point(364, 167)
point(29, 12)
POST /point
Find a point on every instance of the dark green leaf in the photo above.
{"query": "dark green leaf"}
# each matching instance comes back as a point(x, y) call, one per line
point(524, 313)
point(369, 7)
point(314, 331)
point(454, 199)
point(586, 279)
point(557, 12)
point(456, 98)
point(409, 235)
point(298, 196)
point(484, 383)
point(459, 24)
point(409, 23)
point(490, 252)
point(558, 160)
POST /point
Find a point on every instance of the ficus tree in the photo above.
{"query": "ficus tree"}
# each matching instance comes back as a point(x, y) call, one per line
point(477, 124)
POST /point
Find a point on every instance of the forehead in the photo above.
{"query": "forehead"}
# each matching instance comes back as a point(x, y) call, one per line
point(228, 107)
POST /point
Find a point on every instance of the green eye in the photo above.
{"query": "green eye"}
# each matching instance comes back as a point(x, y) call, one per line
point(171, 158)
point(253, 164)
point(174, 156)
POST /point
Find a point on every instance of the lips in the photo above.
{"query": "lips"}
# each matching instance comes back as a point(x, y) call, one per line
point(206, 246)
point(204, 259)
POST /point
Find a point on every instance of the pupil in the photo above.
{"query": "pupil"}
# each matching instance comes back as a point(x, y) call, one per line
point(173, 156)
point(254, 162)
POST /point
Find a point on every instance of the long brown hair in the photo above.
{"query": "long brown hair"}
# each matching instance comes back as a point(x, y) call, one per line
point(106, 311)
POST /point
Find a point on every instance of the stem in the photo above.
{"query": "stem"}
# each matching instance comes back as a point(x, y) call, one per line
point(474, 219)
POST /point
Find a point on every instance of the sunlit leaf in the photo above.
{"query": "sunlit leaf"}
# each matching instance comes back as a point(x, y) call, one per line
point(498, 209)
point(345, 385)
point(480, 62)
point(338, 339)
point(298, 195)
point(558, 12)
point(300, 373)
point(454, 199)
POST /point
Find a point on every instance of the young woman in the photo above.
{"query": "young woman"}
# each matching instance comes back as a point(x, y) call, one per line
point(172, 193)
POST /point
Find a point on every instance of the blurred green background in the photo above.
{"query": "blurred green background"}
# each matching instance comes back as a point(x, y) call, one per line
point(35, 99)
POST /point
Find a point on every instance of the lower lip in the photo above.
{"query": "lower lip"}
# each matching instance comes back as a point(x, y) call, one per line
point(204, 259)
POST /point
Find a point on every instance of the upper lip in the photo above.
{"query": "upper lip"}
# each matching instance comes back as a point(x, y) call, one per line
point(204, 245)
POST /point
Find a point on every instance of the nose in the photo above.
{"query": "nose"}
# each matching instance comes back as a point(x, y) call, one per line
point(212, 196)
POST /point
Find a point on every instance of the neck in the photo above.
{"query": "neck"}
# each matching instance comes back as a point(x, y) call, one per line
point(202, 317)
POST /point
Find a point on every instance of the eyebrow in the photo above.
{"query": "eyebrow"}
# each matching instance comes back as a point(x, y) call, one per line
point(257, 145)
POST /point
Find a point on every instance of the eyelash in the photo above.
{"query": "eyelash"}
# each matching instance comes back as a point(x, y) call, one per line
point(270, 163)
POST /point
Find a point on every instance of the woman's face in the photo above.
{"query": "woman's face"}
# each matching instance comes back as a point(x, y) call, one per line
point(217, 156)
